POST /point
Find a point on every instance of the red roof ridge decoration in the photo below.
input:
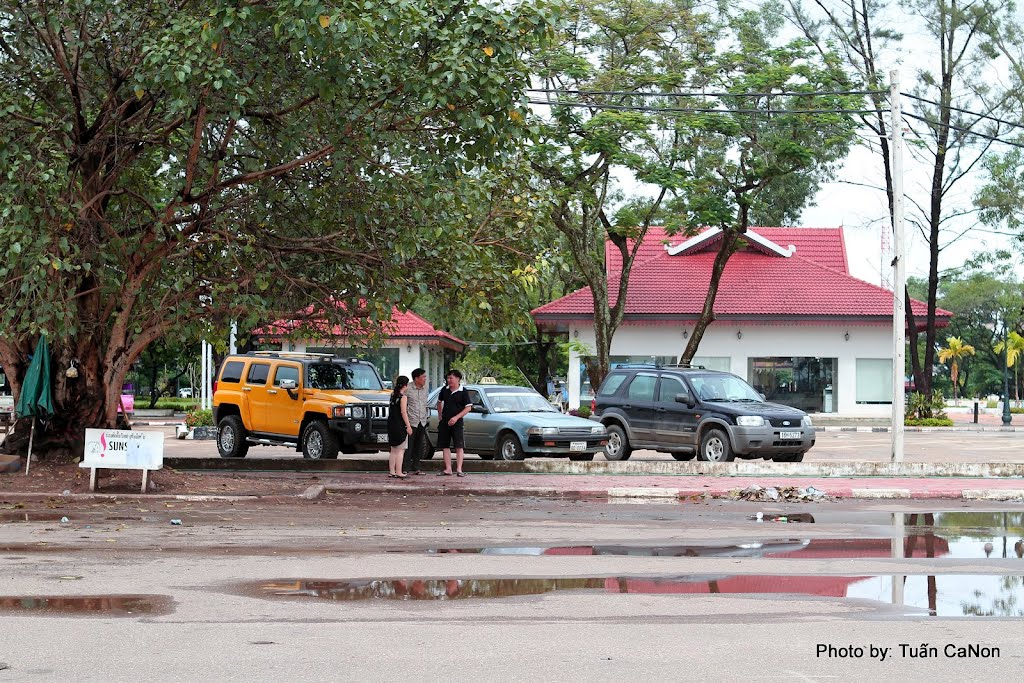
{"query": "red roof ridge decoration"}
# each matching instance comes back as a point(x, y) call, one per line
point(714, 235)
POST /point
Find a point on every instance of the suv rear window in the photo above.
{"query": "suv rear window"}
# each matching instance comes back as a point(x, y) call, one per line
point(611, 384)
point(232, 372)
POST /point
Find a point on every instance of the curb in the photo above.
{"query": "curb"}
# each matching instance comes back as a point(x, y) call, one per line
point(968, 428)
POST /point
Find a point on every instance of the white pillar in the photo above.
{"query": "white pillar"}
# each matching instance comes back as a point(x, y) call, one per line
point(233, 338)
point(899, 280)
point(202, 375)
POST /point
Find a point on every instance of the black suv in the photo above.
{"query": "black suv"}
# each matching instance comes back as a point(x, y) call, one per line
point(694, 411)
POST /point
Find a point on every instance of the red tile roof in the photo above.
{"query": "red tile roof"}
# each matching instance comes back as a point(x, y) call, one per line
point(823, 245)
point(753, 286)
point(404, 326)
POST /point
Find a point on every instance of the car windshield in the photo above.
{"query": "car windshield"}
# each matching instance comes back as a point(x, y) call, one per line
point(724, 388)
point(519, 402)
point(336, 376)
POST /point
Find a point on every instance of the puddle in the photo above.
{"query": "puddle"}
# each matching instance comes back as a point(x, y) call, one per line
point(978, 595)
point(14, 516)
point(107, 605)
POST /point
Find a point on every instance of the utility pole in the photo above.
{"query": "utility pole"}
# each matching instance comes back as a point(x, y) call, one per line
point(899, 270)
point(1007, 417)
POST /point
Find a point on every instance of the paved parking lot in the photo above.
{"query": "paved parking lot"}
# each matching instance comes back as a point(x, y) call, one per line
point(933, 447)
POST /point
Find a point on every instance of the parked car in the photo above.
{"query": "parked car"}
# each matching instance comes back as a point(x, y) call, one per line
point(310, 402)
point(694, 411)
point(512, 423)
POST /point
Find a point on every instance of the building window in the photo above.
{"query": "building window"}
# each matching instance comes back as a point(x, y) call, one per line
point(874, 380)
point(805, 383)
point(721, 363)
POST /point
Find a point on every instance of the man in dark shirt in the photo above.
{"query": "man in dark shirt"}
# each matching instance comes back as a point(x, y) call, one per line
point(452, 406)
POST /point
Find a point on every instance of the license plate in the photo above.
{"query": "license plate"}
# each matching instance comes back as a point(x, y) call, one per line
point(382, 438)
point(789, 435)
point(577, 445)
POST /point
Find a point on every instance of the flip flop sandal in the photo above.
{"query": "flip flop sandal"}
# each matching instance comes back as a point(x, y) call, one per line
point(444, 474)
point(460, 474)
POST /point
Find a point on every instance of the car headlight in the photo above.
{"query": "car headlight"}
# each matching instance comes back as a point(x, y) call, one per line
point(354, 412)
point(597, 430)
point(806, 421)
point(750, 421)
point(543, 431)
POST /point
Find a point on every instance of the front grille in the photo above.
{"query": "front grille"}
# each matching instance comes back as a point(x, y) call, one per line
point(786, 444)
point(574, 431)
point(378, 412)
point(785, 423)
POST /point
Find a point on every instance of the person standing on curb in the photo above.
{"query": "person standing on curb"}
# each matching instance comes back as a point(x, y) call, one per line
point(452, 406)
point(416, 397)
point(399, 427)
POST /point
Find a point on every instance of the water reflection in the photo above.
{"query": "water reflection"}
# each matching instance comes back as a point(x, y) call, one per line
point(944, 595)
point(108, 605)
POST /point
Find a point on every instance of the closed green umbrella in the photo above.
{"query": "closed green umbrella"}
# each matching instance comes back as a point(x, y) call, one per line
point(36, 398)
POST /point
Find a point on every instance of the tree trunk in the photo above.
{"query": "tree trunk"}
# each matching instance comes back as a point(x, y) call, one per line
point(707, 315)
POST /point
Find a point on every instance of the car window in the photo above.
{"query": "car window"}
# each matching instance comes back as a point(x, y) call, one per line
point(332, 376)
point(611, 384)
point(728, 388)
point(286, 372)
point(232, 372)
point(258, 373)
point(474, 398)
point(519, 402)
point(642, 387)
point(669, 388)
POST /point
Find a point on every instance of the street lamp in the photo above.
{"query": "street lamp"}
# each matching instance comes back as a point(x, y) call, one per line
point(1006, 378)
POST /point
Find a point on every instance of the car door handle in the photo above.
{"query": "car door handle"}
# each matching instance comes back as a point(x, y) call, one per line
point(246, 389)
point(627, 406)
point(659, 410)
point(271, 391)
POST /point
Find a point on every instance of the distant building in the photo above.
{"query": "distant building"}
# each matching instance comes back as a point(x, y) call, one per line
point(790, 319)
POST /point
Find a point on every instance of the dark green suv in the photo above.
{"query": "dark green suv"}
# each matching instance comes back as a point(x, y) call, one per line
point(689, 412)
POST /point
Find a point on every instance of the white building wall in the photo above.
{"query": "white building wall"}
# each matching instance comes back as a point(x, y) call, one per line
point(740, 342)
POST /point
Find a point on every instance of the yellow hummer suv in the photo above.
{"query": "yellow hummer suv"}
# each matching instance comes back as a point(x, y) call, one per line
point(316, 403)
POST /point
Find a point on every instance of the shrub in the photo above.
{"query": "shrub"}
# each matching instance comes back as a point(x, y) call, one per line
point(582, 411)
point(992, 404)
point(1016, 411)
point(199, 418)
point(922, 407)
point(928, 422)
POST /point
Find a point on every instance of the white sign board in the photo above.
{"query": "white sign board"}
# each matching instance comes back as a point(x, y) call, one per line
point(123, 448)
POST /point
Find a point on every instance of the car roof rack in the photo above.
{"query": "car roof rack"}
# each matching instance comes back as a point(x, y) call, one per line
point(657, 366)
point(289, 354)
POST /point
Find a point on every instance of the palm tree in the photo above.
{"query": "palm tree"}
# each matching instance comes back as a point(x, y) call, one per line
point(954, 353)
point(1014, 349)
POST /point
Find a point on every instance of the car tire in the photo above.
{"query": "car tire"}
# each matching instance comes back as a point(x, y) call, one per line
point(715, 447)
point(319, 442)
point(789, 457)
point(617, 447)
point(683, 457)
point(231, 436)
point(582, 457)
point(509, 448)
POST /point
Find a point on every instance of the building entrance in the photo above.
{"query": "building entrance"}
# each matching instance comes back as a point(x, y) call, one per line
point(806, 383)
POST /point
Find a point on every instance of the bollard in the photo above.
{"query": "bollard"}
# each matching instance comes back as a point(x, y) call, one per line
point(975, 412)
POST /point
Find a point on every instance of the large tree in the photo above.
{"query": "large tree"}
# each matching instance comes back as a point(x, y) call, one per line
point(171, 166)
point(954, 112)
point(683, 114)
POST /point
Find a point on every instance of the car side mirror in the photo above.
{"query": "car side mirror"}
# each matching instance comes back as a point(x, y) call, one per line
point(687, 399)
point(287, 384)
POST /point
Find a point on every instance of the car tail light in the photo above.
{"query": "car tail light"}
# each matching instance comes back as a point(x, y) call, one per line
point(215, 387)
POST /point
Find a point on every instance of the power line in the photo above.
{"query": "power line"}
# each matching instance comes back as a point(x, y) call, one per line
point(699, 110)
point(962, 130)
point(636, 93)
point(963, 111)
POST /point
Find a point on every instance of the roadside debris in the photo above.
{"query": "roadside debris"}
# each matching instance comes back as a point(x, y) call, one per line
point(176, 522)
point(784, 494)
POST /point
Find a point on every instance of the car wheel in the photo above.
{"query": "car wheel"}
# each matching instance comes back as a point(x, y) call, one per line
point(617, 447)
point(319, 442)
point(582, 457)
point(789, 457)
point(509, 448)
point(714, 447)
point(231, 435)
point(683, 456)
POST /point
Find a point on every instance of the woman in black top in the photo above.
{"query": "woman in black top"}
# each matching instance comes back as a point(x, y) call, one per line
point(399, 427)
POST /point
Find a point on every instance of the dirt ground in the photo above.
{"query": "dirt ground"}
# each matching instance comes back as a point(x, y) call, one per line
point(56, 478)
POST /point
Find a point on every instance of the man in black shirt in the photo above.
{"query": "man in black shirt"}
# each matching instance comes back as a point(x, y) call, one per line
point(452, 406)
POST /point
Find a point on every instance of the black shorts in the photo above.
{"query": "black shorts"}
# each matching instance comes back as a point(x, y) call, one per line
point(451, 437)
